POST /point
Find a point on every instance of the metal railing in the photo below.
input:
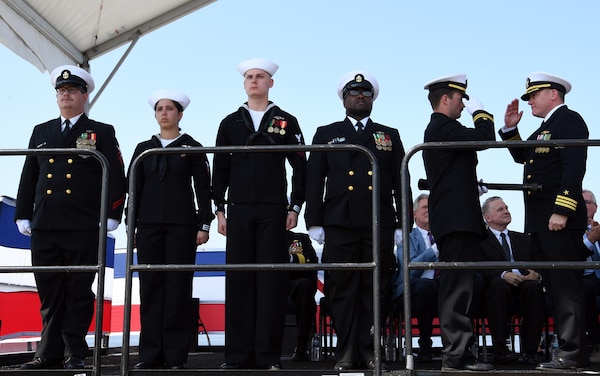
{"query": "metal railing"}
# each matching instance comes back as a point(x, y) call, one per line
point(99, 268)
point(131, 268)
point(408, 265)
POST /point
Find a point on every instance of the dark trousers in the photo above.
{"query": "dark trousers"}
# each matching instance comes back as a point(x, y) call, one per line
point(350, 292)
point(302, 292)
point(565, 289)
point(457, 288)
point(502, 300)
point(166, 296)
point(67, 300)
point(255, 301)
point(591, 287)
point(424, 298)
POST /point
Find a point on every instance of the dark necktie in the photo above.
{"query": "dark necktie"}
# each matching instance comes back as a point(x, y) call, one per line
point(66, 129)
point(505, 246)
point(359, 128)
point(431, 239)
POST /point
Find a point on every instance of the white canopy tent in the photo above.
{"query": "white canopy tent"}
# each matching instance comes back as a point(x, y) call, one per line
point(52, 33)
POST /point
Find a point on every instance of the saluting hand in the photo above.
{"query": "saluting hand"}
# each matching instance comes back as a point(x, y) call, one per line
point(512, 116)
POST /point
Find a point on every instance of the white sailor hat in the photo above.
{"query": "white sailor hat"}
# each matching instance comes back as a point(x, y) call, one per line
point(72, 75)
point(357, 79)
point(456, 82)
point(174, 95)
point(541, 80)
point(257, 63)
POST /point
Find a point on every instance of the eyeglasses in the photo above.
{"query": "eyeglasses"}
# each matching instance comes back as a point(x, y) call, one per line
point(69, 89)
point(365, 93)
point(588, 202)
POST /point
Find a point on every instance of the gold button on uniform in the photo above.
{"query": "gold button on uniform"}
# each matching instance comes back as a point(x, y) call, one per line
point(351, 173)
point(528, 176)
point(350, 188)
point(370, 173)
point(68, 191)
point(49, 192)
point(49, 176)
point(68, 176)
point(51, 160)
point(69, 161)
point(370, 187)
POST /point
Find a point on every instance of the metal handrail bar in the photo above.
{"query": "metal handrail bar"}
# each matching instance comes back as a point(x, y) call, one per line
point(408, 265)
point(251, 149)
point(99, 268)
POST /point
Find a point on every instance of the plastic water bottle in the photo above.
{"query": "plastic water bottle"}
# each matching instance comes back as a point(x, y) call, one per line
point(315, 348)
point(554, 347)
point(475, 348)
point(390, 347)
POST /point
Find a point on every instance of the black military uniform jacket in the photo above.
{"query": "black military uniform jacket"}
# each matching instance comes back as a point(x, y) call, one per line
point(492, 251)
point(63, 191)
point(164, 185)
point(301, 252)
point(559, 170)
point(259, 177)
point(340, 185)
point(452, 174)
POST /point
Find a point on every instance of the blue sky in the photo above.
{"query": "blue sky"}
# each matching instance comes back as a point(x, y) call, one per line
point(315, 42)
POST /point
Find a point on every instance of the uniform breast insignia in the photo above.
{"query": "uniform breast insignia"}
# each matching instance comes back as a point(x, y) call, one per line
point(277, 126)
point(382, 141)
point(296, 249)
point(86, 140)
point(544, 136)
point(184, 146)
point(337, 140)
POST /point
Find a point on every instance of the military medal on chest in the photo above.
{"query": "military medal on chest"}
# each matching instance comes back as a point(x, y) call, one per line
point(86, 140)
point(296, 247)
point(382, 141)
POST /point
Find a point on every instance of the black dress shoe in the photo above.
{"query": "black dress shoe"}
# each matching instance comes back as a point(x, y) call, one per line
point(74, 363)
point(43, 363)
point(343, 366)
point(505, 357)
point(300, 355)
point(371, 365)
point(272, 367)
point(147, 365)
point(229, 366)
point(471, 366)
point(558, 363)
point(425, 356)
point(528, 359)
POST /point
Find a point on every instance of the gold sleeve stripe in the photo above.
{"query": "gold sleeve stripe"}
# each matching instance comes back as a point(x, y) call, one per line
point(566, 202)
point(484, 116)
point(301, 258)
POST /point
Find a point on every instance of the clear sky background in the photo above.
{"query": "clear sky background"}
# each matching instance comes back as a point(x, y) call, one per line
point(315, 42)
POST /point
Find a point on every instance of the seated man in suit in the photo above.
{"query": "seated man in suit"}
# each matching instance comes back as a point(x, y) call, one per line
point(503, 287)
point(424, 285)
point(302, 289)
point(591, 277)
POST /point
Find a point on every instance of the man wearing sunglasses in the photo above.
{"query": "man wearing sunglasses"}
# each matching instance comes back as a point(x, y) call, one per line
point(343, 219)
